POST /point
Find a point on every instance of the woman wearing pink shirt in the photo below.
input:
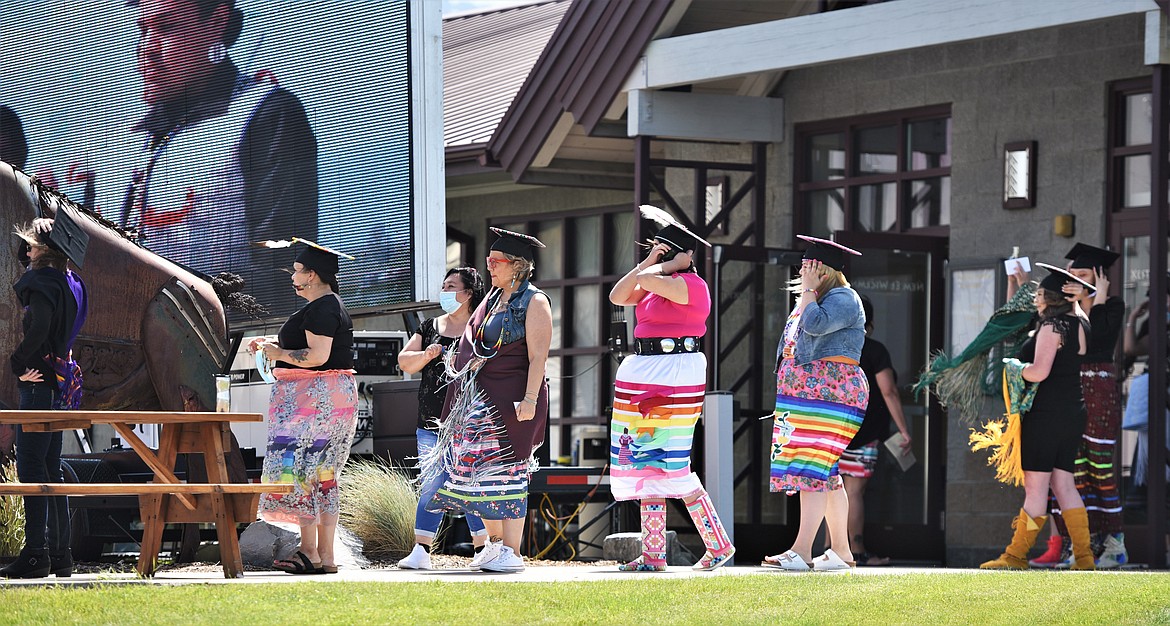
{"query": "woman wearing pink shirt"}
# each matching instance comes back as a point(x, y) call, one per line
point(658, 397)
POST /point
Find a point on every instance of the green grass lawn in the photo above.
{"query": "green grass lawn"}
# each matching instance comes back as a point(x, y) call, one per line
point(1000, 598)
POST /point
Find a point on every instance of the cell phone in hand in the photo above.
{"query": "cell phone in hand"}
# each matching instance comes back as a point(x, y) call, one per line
point(1009, 265)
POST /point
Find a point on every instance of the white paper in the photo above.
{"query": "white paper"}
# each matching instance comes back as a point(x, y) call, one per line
point(1009, 266)
point(905, 459)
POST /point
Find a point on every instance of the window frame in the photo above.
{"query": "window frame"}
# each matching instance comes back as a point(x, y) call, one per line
point(1115, 150)
point(852, 182)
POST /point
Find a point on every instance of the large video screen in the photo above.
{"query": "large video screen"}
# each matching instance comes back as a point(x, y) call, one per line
point(202, 126)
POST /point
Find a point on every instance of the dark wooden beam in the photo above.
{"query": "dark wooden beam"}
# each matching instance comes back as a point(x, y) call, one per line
point(1159, 174)
point(587, 181)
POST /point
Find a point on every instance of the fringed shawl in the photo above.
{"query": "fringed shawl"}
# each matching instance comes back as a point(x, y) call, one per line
point(1004, 440)
point(961, 382)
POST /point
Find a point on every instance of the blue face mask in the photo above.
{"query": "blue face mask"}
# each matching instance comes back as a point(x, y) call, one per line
point(448, 301)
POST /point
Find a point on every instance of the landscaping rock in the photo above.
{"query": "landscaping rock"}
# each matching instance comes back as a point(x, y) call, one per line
point(625, 547)
point(262, 543)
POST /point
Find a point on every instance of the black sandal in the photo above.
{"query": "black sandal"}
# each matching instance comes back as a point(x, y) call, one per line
point(304, 566)
point(868, 559)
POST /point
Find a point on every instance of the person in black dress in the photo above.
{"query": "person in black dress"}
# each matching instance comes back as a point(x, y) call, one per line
point(1051, 430)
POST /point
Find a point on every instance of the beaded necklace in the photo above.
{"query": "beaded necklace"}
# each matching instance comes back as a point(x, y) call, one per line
point(479, 344)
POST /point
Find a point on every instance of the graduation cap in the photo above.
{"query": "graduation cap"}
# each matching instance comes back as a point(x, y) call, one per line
point(515, 244)
point(62, 233)
point(1058, 278)
point(672, 232)
point(828, 252)
point(316, 257)
point(1084, 256)
point(67, 237)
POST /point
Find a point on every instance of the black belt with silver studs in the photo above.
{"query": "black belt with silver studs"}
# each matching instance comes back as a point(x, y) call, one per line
point(666, 345)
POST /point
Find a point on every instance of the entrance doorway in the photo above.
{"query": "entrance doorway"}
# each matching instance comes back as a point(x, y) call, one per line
point(902, 275)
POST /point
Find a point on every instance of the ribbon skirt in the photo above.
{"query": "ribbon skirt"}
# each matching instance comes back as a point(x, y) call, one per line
point(657, 402)
point(819, 407)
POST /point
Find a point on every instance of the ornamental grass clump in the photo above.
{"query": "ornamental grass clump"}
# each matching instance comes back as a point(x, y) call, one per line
point(11, 516)
point(377, 504)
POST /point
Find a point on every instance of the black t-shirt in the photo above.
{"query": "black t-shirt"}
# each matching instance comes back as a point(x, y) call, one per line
point(1105, 322)
point(432, 390)
point(326, 317)
point(876, 425)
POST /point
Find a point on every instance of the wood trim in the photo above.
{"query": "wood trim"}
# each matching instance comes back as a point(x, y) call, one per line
point(125, 417)
point(823, 38)
point(581, 71)
point(134, 489)
point(1115, 153)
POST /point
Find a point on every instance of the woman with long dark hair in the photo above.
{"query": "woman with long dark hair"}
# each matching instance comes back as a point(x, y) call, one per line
point(312, 411)
point(1050, 431)
point(462, 292)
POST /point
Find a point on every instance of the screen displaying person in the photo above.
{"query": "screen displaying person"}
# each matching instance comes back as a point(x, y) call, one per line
point(226, 158)
point(13, 144)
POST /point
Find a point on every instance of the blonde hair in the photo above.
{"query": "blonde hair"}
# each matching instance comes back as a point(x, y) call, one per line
point(50, 257)
point(830, 279)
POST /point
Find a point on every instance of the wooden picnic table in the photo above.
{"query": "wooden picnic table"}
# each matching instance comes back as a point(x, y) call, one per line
point(166, 500)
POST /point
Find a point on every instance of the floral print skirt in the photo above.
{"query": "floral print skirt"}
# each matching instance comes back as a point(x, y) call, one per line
point(819, 407)
point(311, 420)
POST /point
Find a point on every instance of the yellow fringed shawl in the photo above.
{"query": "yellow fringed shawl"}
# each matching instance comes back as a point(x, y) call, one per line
point(1004, 439)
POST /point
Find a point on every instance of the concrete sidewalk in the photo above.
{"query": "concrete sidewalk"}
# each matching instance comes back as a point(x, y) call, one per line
point(542, 574)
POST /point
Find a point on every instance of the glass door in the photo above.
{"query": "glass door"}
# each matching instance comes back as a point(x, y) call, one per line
point(902, 275)
point(1131, 238)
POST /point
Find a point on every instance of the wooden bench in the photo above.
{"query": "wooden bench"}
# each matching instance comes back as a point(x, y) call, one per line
point(167, 499)
point(135, 489)
point(240, 500)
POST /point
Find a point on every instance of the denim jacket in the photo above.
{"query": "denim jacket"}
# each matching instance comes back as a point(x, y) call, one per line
point(514, 318)
point(835, 326)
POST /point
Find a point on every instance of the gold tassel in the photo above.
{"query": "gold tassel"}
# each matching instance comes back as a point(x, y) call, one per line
point(1004, 441)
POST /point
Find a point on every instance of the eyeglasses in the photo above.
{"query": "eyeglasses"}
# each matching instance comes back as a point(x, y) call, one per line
point(492, 261)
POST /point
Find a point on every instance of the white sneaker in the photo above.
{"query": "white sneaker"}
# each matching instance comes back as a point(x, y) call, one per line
point(418, 558)
point(490, 552)
point(1115, 554)
point(508, 561)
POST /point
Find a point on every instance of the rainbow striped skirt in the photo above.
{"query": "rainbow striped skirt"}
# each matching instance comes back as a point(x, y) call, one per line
point(819, 407)
point(656, 402)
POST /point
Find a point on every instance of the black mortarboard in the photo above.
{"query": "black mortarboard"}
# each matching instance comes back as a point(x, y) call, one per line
point(828, 252)
point(67, 237)
point(515, 244)
point(672, 232)
point(62, 233)
point(1084, 256)
point(1058, 277)
point(316, 257)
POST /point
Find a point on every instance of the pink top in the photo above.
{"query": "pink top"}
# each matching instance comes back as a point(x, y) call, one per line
point(659, 317)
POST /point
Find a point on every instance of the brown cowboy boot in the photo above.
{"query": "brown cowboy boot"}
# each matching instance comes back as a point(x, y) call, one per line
point(1015, 556)
point(1077, 521)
